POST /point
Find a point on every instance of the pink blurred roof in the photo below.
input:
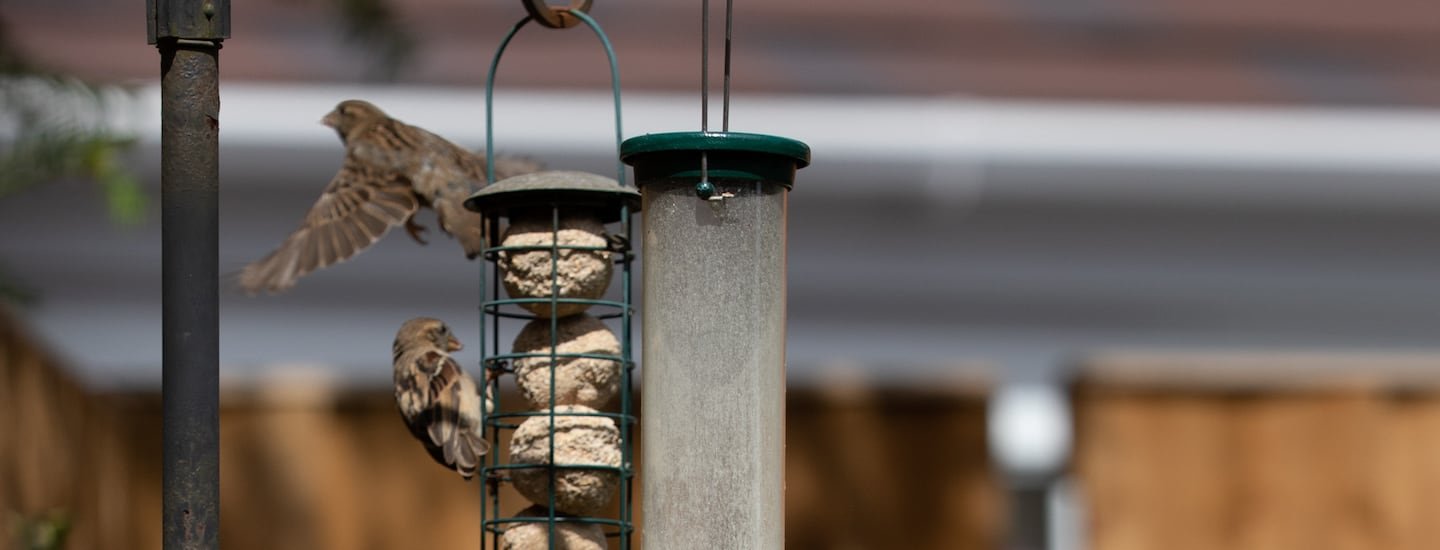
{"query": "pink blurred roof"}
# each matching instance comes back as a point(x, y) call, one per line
point(1251, 51)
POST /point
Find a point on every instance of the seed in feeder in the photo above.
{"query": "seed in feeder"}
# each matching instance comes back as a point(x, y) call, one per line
point(587, 381)
point(583, 274)
point(536, 536)
point(579, 440)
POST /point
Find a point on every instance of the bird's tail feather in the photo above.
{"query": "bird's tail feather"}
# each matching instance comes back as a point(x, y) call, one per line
point(461, 448)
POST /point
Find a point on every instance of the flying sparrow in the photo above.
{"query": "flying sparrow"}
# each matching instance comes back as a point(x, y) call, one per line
point(391, 169)
point(439, 402)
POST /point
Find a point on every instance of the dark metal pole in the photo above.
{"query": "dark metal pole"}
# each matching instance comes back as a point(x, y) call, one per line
point(188, 34)
point(1029, 517)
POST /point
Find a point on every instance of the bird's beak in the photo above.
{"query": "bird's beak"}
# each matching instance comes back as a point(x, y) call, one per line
point(332, 119)
point(454, 344)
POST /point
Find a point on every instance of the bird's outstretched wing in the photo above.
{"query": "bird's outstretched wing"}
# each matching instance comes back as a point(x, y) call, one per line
point(357, 208)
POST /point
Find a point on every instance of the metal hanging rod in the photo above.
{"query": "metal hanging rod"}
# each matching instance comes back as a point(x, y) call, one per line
point(706, 189)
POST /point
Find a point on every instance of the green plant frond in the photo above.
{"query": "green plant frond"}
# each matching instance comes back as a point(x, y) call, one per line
point(46, 532)
point(125, 198)
point(54, 128)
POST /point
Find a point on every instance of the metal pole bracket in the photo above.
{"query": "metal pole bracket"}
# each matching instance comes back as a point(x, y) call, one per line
point(187, 19)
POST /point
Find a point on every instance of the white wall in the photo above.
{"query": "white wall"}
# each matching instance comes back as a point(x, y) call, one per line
point(929, 232)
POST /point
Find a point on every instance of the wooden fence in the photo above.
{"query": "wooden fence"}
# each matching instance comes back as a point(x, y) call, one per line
point(1262, 452)
point(1181, 453)
point(311, 467)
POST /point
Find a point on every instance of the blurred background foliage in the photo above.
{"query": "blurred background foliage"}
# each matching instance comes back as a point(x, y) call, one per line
point(45, 532)
point(54, 127)
point(374, 26)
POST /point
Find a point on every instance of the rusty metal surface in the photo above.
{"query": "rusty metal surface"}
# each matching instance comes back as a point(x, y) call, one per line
point(189, 211)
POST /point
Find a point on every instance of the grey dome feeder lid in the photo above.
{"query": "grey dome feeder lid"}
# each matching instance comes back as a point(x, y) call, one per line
point(563, 188)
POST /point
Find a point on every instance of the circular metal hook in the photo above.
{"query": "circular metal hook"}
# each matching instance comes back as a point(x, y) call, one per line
point(556, 17)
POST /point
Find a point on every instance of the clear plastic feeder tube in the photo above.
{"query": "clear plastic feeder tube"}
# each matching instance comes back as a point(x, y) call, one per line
point(713, 407)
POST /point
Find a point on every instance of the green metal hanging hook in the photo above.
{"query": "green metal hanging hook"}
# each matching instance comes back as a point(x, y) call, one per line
point(495, 65)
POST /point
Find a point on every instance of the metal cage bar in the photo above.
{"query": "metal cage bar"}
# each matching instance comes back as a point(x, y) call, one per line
point(496, 310)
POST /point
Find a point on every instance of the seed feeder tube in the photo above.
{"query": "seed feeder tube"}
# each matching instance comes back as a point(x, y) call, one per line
point(714, 335)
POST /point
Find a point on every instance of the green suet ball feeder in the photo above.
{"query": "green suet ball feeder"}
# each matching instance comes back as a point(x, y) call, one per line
point(557, 275)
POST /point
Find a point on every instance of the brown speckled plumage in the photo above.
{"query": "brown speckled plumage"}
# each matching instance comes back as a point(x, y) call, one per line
point(438, 401)
point(391, 169)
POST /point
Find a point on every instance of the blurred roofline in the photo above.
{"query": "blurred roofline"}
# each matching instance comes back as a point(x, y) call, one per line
point(1223, 228)
point(890, 127)
point(939, 147)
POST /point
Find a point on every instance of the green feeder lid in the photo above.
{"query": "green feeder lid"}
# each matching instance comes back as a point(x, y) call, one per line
point(566, 189)
point(737, 155)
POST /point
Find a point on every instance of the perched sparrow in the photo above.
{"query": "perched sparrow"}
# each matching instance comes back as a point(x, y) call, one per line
point(391, 169)
point(438, 401)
